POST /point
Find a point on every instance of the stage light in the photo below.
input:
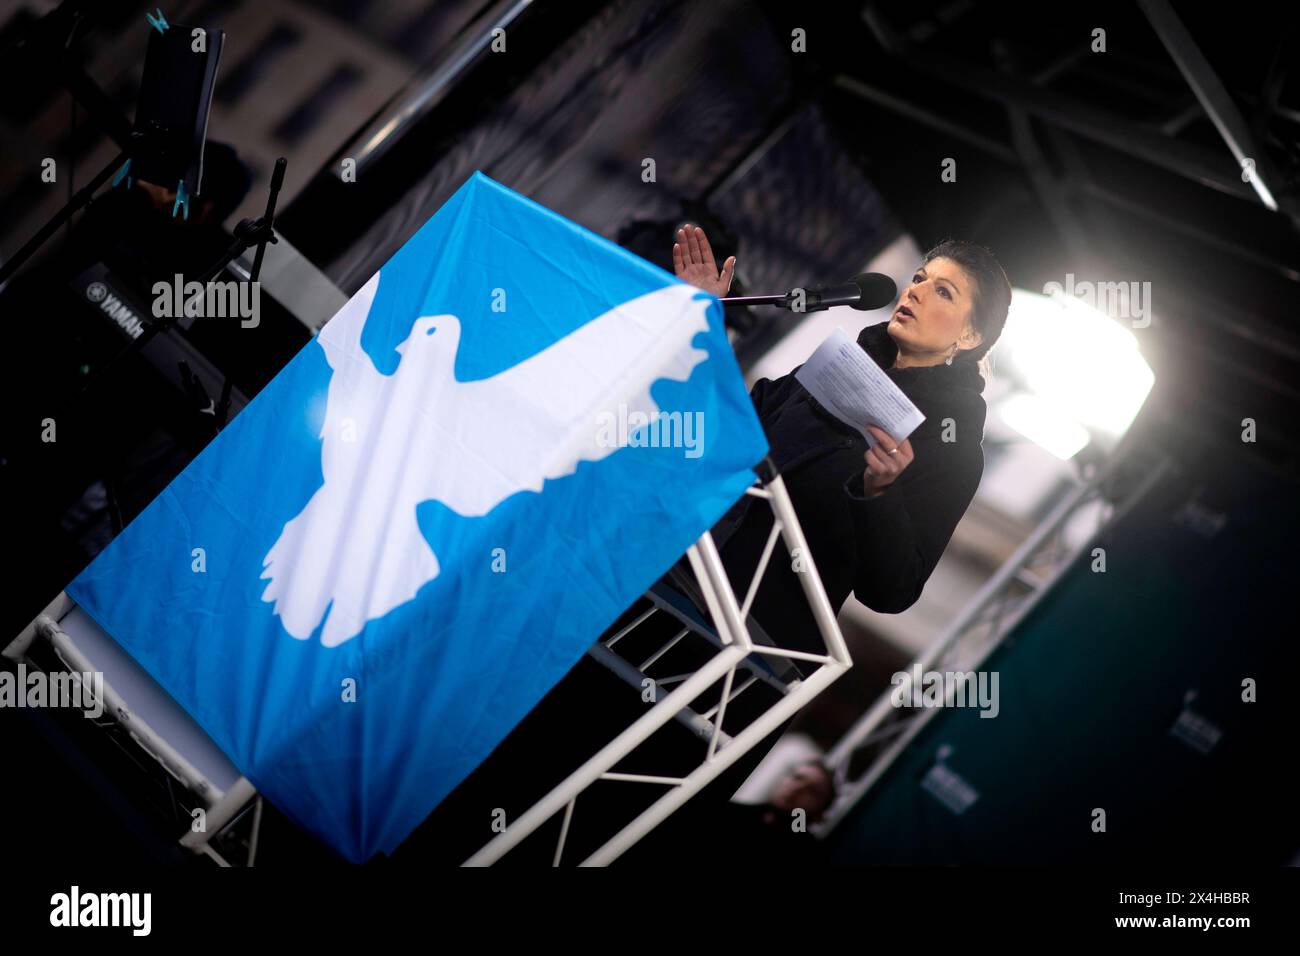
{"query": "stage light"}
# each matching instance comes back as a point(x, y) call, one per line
point(1044, 424)
point(1083, 366)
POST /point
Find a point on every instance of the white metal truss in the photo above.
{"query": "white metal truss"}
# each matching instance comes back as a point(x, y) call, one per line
point(224, 810)
point(240, 803)
point(985, 622)
point(735, 644)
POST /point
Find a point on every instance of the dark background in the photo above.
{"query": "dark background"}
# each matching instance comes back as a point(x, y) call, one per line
point(805, 166)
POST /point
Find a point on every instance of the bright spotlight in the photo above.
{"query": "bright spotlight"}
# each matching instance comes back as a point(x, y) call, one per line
point(1083, 366)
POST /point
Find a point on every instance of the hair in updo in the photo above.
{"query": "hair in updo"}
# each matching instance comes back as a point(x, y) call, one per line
point(990, 299)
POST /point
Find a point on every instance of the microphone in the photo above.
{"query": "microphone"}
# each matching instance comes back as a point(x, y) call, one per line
point(870, 290)
point(864, 292)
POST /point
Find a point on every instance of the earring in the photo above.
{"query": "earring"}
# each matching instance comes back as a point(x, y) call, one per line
point(951, 354)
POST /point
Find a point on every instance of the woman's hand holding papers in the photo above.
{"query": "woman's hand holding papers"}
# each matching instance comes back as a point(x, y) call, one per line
point(882, 467)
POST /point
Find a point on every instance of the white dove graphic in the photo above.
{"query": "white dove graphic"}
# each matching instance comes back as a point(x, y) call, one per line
point(391, 442)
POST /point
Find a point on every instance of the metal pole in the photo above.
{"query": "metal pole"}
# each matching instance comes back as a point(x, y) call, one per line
point(843, 750)
point(607, 757)
point(655, 814)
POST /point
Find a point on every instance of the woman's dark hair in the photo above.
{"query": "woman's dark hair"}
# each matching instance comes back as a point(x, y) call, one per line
point(990, 299)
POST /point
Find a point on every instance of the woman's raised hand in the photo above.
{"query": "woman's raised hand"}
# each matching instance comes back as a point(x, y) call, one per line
point(693, 262)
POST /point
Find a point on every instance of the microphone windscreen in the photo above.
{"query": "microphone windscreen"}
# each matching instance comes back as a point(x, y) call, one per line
point(878, 291)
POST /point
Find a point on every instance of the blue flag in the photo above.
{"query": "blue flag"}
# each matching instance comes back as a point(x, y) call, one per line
point(419, 526)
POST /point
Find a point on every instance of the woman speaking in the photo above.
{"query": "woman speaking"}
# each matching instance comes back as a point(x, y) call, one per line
point(876, 520)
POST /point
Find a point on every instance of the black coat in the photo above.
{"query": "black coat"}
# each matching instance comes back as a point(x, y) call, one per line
point(882, 549)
